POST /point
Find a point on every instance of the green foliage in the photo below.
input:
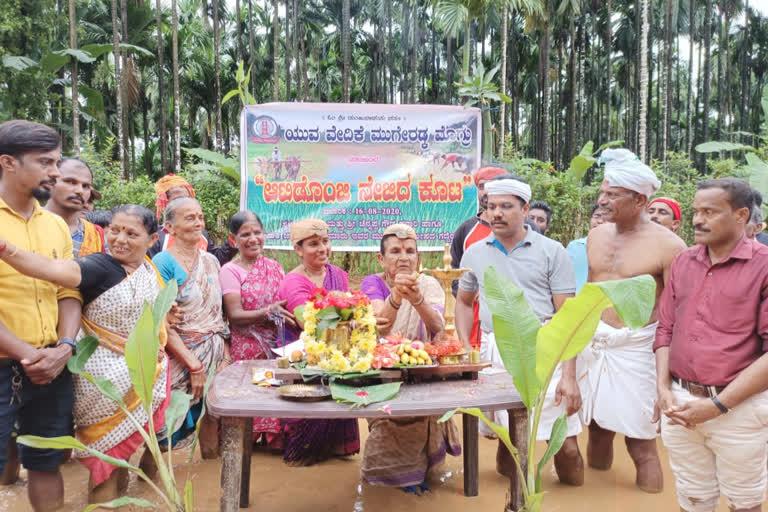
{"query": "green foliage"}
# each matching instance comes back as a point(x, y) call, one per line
point(531, 352)
point(365, 395)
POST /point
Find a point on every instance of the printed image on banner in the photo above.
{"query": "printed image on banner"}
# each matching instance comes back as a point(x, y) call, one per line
point(360, 168)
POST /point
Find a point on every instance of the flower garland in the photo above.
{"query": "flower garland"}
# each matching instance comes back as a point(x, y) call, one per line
point(339, 306)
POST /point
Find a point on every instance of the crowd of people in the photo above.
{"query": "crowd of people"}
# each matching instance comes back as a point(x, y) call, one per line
point(696, 373)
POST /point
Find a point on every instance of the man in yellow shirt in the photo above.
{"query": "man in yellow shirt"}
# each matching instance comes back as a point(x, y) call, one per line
point(38, 320)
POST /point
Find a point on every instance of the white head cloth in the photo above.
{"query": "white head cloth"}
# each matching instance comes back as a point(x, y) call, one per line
point(509, 186)
point(624, 169)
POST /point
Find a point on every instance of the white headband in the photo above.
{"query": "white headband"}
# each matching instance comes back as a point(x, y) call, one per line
point(509, 186)
point(624, 169)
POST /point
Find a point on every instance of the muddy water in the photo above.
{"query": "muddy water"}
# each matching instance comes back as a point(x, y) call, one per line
point(336, 486)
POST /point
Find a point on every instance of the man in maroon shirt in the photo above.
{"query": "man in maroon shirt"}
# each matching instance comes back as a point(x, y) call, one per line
point(712, 370)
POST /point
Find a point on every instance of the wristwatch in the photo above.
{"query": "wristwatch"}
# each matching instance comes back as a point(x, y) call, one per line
point(70, 342)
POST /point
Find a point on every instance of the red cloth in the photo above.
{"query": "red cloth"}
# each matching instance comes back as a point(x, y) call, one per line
point(714, 318)
point(479, 232)
point(488, 173)
point(674, 205)
point(101, 470)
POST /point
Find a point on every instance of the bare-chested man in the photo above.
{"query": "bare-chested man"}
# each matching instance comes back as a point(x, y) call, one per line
point(618, 369)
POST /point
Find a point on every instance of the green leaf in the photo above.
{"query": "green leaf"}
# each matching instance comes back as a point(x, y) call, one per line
point(718, 146)
point(573, 326)
point(346, 314)
point(239, 74)
point(581, 163)
point(85, 348)
point(189, 497)
point(556, 440)
point(94, 99)
point(500, 431)
point(70, 443)
point(53, 61)
point(298, 312)
point(213, 156)
point(18, 62)
point(758, 173)
point(534, 502)
point(163, 304)
point(515, 326)
point(609, 144)
point(231, 94)
point(328, 313)
point(178, 406)
point(120, 502)
point(365, 395)
point(141, 357)
point(97, 50)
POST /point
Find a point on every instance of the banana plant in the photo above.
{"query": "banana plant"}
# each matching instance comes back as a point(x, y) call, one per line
point(141, 355)
point(531, 352)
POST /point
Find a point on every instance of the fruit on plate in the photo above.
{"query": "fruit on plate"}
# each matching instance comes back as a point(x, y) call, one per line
point(396, 349)
point(296, 356)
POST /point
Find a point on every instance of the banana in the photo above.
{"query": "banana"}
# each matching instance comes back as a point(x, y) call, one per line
point(405, 359)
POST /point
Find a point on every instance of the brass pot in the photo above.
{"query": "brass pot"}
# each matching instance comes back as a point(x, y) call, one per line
point(338, 337)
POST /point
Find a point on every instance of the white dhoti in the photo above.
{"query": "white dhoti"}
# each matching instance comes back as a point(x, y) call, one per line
point(617, 378)
point(550, 412)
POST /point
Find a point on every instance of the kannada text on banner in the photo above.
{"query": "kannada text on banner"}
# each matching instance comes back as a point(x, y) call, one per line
point(360, 168)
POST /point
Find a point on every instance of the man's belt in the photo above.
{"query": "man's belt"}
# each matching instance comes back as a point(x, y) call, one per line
point(699, 390)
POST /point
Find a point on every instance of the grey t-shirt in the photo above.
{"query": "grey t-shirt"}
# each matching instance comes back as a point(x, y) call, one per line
point(539, 266)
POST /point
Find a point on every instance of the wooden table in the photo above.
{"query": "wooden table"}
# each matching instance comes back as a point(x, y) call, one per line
point(235, 399)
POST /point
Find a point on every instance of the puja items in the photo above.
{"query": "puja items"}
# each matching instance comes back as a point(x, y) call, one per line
point(264, 377)
point(447, 349)
point(339, 331)
point(395, 350)
point(447, 275)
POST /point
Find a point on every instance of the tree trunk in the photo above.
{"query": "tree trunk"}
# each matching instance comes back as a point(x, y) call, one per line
point(275, 52)
point(238, 41)
point(728, 113)
point(690, 132)
point(571, 120)
point(706, 81)
point(744, 70)
point(608, 69)
point(544, 67)
point(643, 57)
point(467, 46)
point(666, 83)
point(75, 97)
point(288, 51)
point(119, 93)
point(161, 89)
point(346, 50)
point(503, 76)
point(720, 78)
point(145, 126)
point(390, 52)
point(217, 71)
point(295, 46)
point(251, 48)
point(449, 69)
point(582, 64)
point(404, 86)
point(176, 106)
point(415, 54)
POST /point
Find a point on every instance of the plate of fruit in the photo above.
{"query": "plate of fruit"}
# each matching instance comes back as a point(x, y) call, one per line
point(395, 351)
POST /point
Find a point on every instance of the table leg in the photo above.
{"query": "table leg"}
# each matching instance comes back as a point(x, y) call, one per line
point(518, 433)
point(231, 462)
point(470, 448)
point(245, 479)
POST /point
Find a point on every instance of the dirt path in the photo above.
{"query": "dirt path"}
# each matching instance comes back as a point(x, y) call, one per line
point(336, 486)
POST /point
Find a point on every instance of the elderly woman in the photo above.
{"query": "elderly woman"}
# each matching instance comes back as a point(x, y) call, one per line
point(410, 305)
point(114, 288)
point(200, 324)
point(250, 284)
point(172, 187)
point(311, 441)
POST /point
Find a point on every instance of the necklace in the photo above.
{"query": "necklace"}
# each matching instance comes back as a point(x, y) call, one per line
point(317, 278)
point(187, 260)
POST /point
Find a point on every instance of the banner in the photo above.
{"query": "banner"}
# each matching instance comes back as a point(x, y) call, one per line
point(360, 168)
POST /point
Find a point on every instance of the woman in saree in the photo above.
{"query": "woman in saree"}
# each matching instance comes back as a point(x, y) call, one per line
point(199, 321)
point(311, 441)
point(250, 283)
point(114, 288)
point(400, 452)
